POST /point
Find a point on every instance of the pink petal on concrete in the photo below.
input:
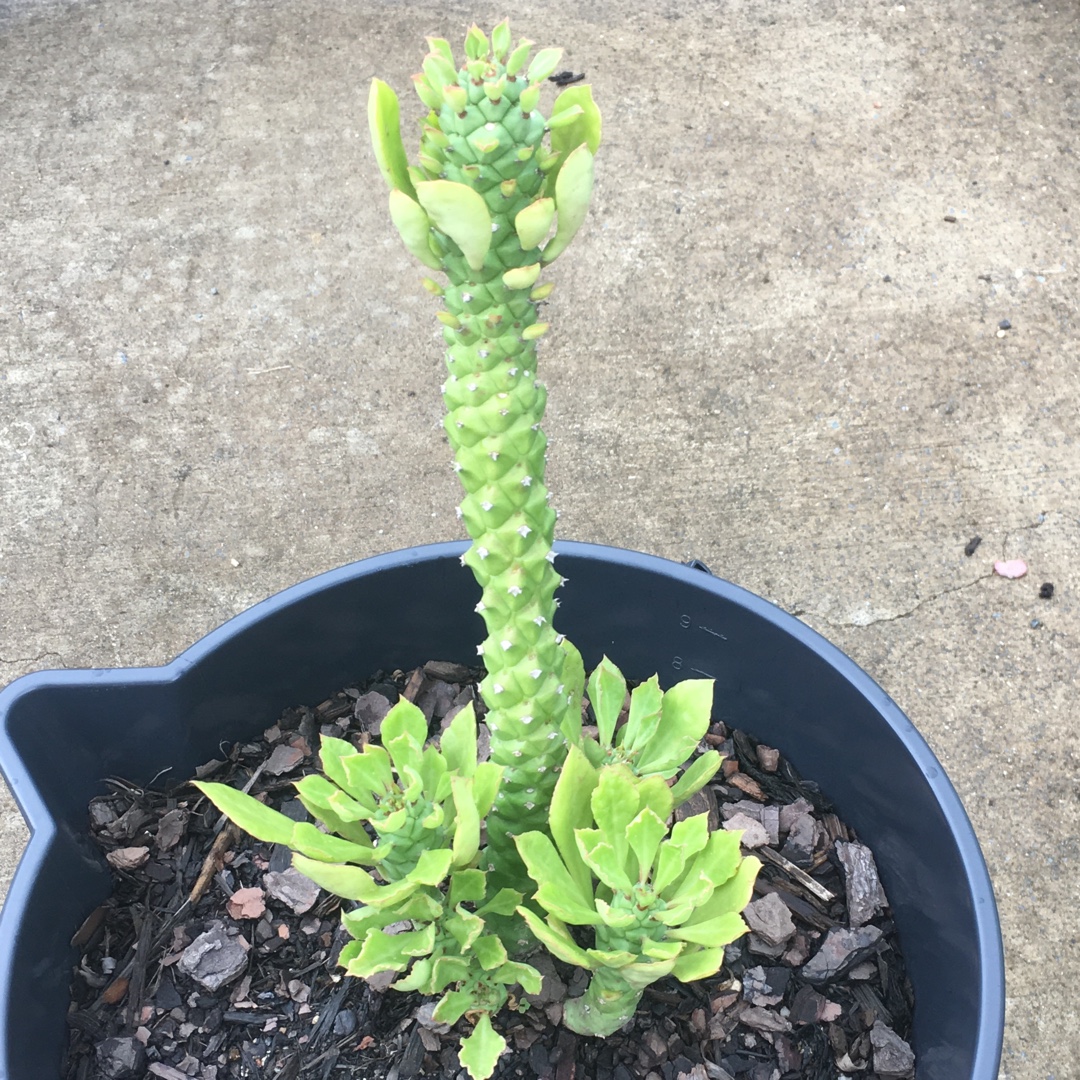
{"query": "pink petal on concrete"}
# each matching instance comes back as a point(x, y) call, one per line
point(1010, 568)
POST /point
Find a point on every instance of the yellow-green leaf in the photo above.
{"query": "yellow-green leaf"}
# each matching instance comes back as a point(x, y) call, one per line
point(480, 1051)
point(462, 214)
point(607, 692)
point(414, 226)
point(697, 964)
point(701, 771)
point(385, 124)
point(585, 127)
point(556, 939)
point(570, 810)
point(252, 816)
point(573, 189)
point(467, 821)
point(715, 932)
point(534, 223)
point(521, 277)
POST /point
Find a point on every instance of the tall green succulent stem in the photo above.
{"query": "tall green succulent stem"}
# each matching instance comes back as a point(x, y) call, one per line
point(480, 205)
point(495, 406)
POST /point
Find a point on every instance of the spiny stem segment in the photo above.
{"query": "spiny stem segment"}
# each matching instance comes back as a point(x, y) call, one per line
point(480, 205)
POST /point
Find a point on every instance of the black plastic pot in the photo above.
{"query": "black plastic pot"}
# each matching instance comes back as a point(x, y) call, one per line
point(62, 732)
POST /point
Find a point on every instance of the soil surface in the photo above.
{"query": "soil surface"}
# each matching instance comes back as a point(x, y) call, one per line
point(213, 959)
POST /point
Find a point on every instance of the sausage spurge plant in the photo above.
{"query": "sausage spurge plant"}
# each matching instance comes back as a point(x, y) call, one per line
point(578, 829)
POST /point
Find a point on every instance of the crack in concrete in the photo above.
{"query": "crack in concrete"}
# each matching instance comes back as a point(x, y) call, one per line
point(31, 659)
point(855, 625)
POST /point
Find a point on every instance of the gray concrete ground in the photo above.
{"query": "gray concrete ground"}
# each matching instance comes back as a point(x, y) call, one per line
point(775, 348)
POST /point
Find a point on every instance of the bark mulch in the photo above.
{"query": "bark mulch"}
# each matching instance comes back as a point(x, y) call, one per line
point(213, 959)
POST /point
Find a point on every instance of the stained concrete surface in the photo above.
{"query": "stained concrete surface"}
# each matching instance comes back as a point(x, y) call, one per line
point(772, 349)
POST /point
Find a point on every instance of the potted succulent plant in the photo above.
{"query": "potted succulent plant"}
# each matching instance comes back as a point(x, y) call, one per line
point(485, 859)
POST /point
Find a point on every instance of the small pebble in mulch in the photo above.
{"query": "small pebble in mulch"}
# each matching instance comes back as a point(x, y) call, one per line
point(223, 958)
point(1046, 590)
point(215, 958)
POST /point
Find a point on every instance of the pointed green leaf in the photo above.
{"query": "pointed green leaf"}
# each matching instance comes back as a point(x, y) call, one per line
point(467, 886)
point(524, 975)
point(571, 810)
point(442, 47)
point(556, 939)
point(645, 973)
point(454, 1005)
point(366, 776)
point(573, 189)
point(414, 226)
point(646, 702)
point(432, 770)
point(605, 863)
point(585, 128)
point(480, 1051)
point(352, 882)
point(404, 732)
point(504, 902)
point(500, 39)
point(721, 856)
point(333, 753)
point(656, 795)
point(458, 742)
point(687, 838)
point(418, 979)
point(462, 214)
point(661, 950)
point(322, 797)
point(644, 834)
point(712, 932)
point(616, 919)
point(393, 952)
point(385, 125)
point(476, 43)
point(252, 816)
point(465, 926)
point(557, 893)
point(490, 951)
point(431, 867)
point(534, 223)
point(610, 958)
point(694, 889)
point(439, 71)
point(521, 277)
point(684, 719)
point(607, 693)
point(518, 57)
point(467, 821)
point(573, 678)
point(733, 895)
point(564, 118)
point(309, 841)
point(543, 64)
point(698, 964)
point(486, 782)
point(701, 771)
point(615, 803)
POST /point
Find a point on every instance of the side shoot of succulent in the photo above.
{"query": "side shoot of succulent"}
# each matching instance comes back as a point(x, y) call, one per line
point(659, 900)
point(489, 204)
point(425, 807)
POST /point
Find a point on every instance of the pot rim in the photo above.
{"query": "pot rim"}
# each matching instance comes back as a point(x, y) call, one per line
point(43, 827)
